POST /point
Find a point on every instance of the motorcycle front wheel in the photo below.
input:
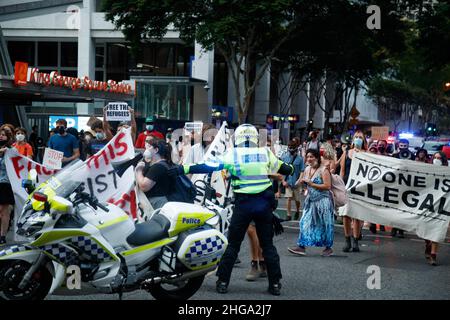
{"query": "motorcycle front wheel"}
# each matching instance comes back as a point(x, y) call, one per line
point(12, 273)
point(181, 291)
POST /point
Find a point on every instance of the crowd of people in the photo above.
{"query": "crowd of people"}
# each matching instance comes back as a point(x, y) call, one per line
point(313, 163)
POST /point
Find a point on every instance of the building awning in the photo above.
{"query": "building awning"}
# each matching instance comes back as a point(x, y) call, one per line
point(9, 92)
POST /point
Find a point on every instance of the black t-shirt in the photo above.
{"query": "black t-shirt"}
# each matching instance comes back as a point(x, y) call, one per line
point(158, 173)
point(95, 146)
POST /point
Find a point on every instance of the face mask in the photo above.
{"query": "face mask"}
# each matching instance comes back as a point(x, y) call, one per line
point(403, 149)
point(437, 162)
point(20, 137)
point(381, 149)
point(147, 154)
point(149, 127)
point(2, 143)
point(61, 129)
point(358, 142)
point(100, 135)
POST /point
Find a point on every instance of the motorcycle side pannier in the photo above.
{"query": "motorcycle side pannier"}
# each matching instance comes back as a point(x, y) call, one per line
point(200, 247)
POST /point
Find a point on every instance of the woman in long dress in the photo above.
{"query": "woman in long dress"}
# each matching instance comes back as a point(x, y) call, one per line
point(317, 222)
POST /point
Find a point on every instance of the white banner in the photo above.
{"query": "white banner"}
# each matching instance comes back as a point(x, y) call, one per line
point(99, 176)
point(404, 194)
point(220, 144)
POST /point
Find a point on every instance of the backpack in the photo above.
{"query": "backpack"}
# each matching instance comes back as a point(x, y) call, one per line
point(338, 191)
point(184, 190)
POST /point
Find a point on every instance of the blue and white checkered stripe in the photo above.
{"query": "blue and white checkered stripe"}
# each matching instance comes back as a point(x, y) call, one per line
point(60, 252)
point(13, 249)
point(91, 248)
point(203, 247)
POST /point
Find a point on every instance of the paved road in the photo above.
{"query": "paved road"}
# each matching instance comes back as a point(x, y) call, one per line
point(404, 272)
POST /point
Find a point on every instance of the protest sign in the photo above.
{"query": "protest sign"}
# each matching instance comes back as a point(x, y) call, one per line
point(52, 158)
point(117, 111)
point(380, 133)
point(404, 194)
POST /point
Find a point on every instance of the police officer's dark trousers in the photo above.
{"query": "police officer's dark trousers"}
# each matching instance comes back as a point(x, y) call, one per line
point(256, 207)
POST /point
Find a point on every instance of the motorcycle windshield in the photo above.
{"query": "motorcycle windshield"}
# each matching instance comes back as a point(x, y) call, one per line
point(65, 181)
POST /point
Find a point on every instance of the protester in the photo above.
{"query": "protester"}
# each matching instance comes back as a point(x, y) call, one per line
point(6, 193)
point(317, 222)
point(292, 192)
point(382, 147)
point(198, 150)
point(313, 141)
point(102, 137)
point(21, 145)
point(403, 153)
point(431, 247)
point(9, 129)
point(359, 145)
point(422, 156)
point(149, 130)
point(328, 156)
point(64, 142)
point(152, 178)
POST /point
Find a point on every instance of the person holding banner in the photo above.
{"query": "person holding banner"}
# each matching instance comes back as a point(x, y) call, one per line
point(6, 193)
point(359, 145)
point(317, 222)
point(431, 247)
point(153, 179)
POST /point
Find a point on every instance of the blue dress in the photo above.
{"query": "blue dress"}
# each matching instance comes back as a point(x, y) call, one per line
point(317, 222)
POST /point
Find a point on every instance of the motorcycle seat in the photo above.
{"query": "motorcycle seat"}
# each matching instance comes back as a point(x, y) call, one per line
point(147, 232)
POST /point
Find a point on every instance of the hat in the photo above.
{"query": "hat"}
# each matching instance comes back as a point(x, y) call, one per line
point(150, 119)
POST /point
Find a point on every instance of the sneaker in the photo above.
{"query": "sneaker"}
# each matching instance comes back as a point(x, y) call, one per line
point(328, 252)
point(254, 272)
point(275, 289)
point(221, 286)
point(262, 269)
point(297, 250)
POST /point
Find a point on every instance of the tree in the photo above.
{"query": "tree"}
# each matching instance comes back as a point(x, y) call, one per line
point(244, 32)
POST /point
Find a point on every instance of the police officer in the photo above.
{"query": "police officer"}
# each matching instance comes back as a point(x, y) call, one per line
point(249, 167)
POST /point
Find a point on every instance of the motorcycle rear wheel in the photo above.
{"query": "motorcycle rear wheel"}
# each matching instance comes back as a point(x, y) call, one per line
point(12, 273)
point(187, 289)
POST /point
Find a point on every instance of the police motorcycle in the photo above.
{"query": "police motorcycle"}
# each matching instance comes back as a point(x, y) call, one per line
point(69, 229)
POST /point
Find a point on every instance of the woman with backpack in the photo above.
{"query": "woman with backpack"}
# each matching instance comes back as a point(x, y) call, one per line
point(317, 222)
point(152, 177)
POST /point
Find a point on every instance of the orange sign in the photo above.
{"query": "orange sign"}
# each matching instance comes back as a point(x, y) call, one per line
point(20, 73)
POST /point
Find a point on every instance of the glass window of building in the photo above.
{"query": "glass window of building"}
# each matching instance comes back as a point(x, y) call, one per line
point(117, 61)
point(69, 54)
point(47, 54)
point(22, 51)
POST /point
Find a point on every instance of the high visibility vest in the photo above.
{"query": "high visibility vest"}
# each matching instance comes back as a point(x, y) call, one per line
point(249, 168)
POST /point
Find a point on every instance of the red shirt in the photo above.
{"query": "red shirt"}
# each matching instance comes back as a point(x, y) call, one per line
point(140, 142)
point(24, 149)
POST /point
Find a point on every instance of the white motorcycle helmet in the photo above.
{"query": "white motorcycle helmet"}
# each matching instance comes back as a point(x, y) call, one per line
point(246, 135)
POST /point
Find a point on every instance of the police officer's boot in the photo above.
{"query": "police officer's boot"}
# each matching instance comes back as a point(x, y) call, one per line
point(221, 286)
point(275, 289)
point(262, 269)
